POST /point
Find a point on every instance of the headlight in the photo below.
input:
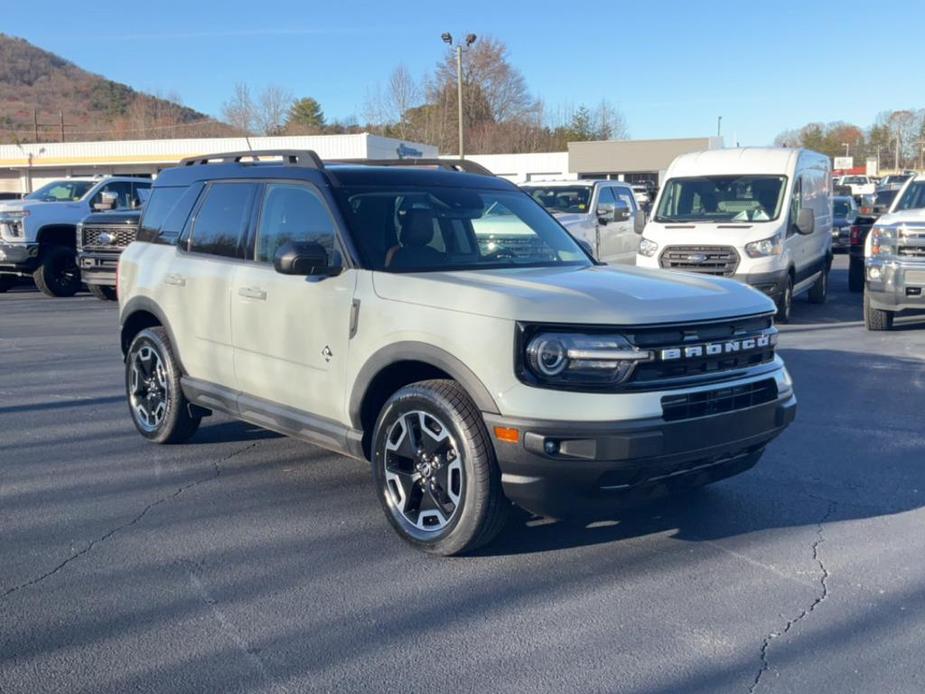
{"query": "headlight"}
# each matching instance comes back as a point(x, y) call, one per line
point(575, 359)
point(647, 248)
point(764, 248)
point(11, 221)
point(882, 241)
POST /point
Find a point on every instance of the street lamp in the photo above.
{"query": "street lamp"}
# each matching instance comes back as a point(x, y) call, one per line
point(447, 38)
point(847, 146)
point(719, 125)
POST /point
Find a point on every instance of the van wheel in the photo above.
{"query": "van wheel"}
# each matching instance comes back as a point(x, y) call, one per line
point(159, 409)
point(875, 318)
point(7, 282)
point(785, 302)
point(856, 275)
point(435, 470)
point(58, 274)
point(102, 292)
point(819, 292)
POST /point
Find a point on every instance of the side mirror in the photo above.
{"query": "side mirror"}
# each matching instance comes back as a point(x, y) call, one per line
point(605, 213)
point(806, 221)
point(639, 224)
point(586, 246)
point(621, 212)
point(105, 201)
point(306, 259)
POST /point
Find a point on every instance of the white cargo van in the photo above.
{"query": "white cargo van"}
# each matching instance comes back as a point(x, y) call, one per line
point(760, 215)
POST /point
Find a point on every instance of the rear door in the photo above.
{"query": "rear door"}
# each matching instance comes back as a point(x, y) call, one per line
point(197, 285)
point(290, 332)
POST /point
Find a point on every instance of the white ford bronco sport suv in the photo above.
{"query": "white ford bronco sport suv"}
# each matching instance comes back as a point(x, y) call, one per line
point(354, 307)
point(38, 233)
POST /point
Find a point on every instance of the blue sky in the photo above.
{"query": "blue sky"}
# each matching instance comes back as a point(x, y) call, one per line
point(670, 66)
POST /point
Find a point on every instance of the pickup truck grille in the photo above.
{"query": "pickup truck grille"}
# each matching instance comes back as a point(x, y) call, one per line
point(734, 345)
point(911, 243)
point(711, 260)
point(121, 236)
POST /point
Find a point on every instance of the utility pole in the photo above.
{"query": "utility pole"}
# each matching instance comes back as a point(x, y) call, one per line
point(61, 123)
point(35, 125)
point(897, 153)
point(470, 39)
point(847, 146)
point(719, 125)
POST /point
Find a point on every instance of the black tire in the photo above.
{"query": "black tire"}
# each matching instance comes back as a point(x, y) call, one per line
point(785, 302)
point(7, 282)
point(143, 376)
point(58, 274)
point(875, 318)
point(463, 462)
point(856, 275)
point(819, 292)
point(102, 292)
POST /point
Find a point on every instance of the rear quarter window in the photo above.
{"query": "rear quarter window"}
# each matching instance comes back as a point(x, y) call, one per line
point(161, 205)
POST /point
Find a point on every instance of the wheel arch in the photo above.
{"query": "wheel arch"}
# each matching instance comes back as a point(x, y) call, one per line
point(58, 235)
point(139, 313)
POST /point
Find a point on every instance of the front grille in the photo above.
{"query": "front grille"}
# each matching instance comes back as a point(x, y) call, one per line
point(711, 260)
point(122, 236)
point(675, 372)
point(718, 401)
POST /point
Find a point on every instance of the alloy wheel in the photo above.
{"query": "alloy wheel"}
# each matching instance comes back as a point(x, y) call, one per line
point(148, 394)
point(423, 471)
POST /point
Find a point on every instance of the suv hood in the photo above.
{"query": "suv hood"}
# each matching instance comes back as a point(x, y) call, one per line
point(596, 295)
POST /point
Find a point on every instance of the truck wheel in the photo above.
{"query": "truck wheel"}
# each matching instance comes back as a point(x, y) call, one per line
point(435, 471)
point(785, 302)
point(7, 282)
point(103, 293)
point(58, 274)
point(856, 275)
point(159, 409)
point(876, 319)
point(819, 292)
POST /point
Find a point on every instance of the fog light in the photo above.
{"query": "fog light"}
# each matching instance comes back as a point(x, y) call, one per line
point(551, 446)
point(873, 273)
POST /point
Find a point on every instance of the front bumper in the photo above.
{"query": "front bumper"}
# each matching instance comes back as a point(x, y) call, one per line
point(771, 283)
point(19, 256)
point(598, 466)
point(98, 268)
point(897, 285)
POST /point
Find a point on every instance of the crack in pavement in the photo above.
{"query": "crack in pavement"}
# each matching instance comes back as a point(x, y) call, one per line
point(820, 598)
point(133, 521)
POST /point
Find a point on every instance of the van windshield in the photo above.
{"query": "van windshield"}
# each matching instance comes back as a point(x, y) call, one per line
point(563, 199)
point(737, 198)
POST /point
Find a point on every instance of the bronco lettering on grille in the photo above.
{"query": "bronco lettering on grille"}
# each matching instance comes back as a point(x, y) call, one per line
point(713, 349)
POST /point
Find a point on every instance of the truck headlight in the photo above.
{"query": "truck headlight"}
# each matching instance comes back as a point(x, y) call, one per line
point(647, 247)
point(12, 222)
point(764, 248)
point(576, 359)
point(882, 241)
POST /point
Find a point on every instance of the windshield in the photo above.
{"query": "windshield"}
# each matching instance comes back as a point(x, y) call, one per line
point(884, 197)
point(428, 229)
point(913, 198)
point(841, 208)
point(722, 199)
point(565, 199)
point(61, 191)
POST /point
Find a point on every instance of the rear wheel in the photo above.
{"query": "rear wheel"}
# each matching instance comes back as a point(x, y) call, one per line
point(435, 470)
point(856, 275)
point(875, 318)
point(785, 302)
point(58, 274)
point(819, 292)
point(103, 293)
point(7, 282)
point(159, 409)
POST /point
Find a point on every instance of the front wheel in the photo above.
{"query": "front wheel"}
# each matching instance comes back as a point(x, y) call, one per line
point(875, 318)
point(785, 302)
point(819, 292)
point(7, 282)
point(856, 275)
point(102, 292)
point(58, 275)
point(159, 409)
point(435, 470)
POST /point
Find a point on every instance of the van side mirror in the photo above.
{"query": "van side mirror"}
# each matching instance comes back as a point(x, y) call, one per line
point(306, 259)
point(605, 213)
point(639, 224)
point(806, 221)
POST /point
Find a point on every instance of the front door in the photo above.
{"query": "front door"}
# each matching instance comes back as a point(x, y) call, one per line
point(291, 333)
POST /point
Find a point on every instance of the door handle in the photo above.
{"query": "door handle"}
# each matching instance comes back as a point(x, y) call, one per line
point(253, 293)
point(175, 280)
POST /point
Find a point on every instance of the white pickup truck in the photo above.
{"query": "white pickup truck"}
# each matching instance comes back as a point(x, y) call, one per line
point(38, 233)
point(859, 185)
point(603, 215)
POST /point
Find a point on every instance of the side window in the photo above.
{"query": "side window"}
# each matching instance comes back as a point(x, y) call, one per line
point(605, 198)
point(796, 204)
point(626, 195)
point(161, 203)
point(222, 219)
point(140, 194)
point(121, 189)
point(292, 213)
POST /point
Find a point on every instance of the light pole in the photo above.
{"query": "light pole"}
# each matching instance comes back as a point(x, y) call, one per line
point(448, 40)
point(847, 146)
point(719, 125)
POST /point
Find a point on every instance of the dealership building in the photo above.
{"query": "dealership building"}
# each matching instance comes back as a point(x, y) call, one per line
point(23, 168)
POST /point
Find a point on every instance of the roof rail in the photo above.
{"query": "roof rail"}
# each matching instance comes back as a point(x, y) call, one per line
point(463, 165)
point(290, 157)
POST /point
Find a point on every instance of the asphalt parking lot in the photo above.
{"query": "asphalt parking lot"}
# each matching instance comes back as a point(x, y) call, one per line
point(248, 561)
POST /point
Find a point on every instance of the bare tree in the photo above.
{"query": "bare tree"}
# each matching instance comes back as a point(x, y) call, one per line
point(608, 123)
point(240, 111)
point(402, 93)
point(271, 109)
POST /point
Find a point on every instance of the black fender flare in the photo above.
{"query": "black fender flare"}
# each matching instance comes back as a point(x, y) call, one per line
point(420, 352)
point(138, 304)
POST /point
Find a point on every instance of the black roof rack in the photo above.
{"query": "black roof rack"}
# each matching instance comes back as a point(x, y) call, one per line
point(463, 165)
point(290, 157)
